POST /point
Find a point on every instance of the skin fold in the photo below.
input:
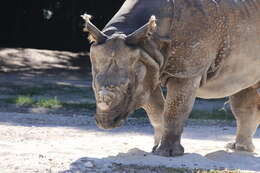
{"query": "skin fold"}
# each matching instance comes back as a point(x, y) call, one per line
point(194, 48)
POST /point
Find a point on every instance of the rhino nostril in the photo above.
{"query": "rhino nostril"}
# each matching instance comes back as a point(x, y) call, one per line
point(103, 106)
point(105, 95)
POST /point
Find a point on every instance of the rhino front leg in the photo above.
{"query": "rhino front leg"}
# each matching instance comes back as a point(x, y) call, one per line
point(179, 102)
point(154, 109)
point(245, 106)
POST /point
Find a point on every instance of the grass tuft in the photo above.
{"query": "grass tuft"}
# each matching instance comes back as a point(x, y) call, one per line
point(49, 103)
point(23, 101)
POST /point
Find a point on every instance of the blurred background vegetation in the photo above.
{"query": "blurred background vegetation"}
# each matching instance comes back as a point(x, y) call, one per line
point(51, 24)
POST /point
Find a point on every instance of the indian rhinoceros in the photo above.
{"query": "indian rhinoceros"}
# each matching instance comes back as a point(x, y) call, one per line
point(195, 48)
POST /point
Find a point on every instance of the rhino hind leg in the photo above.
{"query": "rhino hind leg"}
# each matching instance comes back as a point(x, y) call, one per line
point(154, 109)
point(245, 106)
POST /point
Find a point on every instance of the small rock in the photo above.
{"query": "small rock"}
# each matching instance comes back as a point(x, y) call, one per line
point(89, 164)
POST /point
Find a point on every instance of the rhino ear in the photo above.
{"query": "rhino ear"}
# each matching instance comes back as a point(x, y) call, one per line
point(146, 31)
point(95, 35)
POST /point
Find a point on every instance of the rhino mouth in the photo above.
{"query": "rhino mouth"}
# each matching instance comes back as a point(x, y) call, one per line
point(110, 120)
point(117, 115)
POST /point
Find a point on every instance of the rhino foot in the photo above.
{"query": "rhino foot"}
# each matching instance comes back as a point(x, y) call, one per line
point(168, 150)
point(240, 147)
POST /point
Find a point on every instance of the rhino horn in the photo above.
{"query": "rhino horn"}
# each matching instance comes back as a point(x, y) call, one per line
point(96, 35)
point(145, 31)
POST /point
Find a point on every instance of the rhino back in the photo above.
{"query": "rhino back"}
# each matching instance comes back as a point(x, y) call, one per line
point(135, 13)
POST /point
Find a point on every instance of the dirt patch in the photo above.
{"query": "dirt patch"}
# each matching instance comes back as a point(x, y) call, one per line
point(56, 143)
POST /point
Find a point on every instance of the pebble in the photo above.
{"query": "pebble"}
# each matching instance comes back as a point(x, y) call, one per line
point(89, 164)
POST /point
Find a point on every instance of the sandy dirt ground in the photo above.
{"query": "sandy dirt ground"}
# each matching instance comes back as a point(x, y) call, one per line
point(55, 143)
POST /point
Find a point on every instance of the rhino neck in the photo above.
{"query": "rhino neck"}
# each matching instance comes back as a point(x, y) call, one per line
point(135, 13)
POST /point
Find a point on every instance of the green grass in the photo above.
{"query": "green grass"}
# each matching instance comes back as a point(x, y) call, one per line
point(49, 103)
point(50, 88)
point(23, 101)
point(52, 103)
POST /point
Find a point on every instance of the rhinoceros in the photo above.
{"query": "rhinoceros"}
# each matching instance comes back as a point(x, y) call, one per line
point(194, 48)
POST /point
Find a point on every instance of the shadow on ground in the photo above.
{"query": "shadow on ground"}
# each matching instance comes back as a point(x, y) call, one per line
point(39, 66)
point(22, 60)
point(136, 160)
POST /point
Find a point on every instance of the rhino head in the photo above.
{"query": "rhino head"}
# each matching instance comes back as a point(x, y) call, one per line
point(121, 72)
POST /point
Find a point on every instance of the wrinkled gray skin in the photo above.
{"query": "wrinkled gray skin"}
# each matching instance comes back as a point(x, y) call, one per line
point(196, 48)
